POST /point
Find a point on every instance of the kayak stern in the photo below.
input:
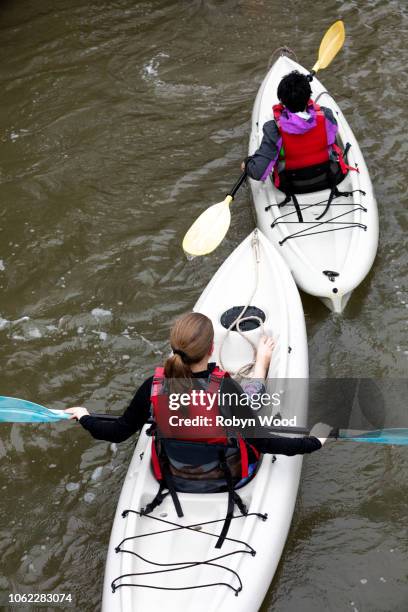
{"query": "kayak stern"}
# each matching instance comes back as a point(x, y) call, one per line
point(336, 302)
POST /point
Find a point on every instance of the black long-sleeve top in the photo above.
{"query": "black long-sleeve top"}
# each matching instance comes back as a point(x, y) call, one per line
point(138, 413)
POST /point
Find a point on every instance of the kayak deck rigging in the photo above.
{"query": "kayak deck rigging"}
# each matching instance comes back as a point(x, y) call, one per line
point(317, 224)
point(176, 566)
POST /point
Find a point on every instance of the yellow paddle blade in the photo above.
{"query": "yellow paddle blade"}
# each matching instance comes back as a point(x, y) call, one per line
point(331, 44)
point(209, 229)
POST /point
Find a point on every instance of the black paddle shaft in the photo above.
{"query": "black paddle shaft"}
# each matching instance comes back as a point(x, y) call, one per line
point(275, 430)
point(278, 429)
point(237, 184)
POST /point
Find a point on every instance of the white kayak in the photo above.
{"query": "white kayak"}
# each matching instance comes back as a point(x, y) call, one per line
point(328, 257)
point(173, 569)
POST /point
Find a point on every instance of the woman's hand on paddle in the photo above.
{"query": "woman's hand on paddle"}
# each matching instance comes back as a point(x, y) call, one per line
point(242, 166)
point(321, 431)
point(77, 412)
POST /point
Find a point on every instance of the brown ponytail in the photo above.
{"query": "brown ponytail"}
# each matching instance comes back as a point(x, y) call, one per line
point(191, 338)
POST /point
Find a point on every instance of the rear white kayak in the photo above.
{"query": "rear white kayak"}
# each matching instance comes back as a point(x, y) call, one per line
point(253, 269)
point(345, 240)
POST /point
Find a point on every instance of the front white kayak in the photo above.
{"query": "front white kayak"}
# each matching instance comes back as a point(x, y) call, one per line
point(345, 240)
point(154, 562)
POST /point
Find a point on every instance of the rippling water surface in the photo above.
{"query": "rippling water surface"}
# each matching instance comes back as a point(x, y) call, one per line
point(119, 122)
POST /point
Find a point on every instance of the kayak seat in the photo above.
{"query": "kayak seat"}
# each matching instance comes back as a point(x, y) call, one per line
point(204, 474)
point(215, 469)
point(313, 178)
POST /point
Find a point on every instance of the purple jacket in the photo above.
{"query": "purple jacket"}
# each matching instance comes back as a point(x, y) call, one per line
point(261, 163)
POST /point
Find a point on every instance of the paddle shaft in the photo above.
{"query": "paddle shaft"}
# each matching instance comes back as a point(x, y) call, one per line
point(237, 185)
point(290, 430)
point(294, 430)
point(342, 434)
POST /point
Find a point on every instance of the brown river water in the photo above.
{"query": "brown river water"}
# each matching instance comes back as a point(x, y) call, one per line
point(119, 123)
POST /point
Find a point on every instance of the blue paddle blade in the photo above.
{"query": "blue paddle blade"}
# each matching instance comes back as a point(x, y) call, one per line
point(14, 410)
point(380, 436)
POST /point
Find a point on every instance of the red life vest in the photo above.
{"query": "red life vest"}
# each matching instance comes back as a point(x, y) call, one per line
point(215, 434)
point(308, 149)
point(162, 413)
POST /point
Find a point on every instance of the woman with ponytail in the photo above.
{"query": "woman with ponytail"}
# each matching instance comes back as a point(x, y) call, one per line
point(195, 457)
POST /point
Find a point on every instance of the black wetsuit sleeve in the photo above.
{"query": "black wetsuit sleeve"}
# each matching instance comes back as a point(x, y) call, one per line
point(132, 420)
point(279, 445)
point(236, 402)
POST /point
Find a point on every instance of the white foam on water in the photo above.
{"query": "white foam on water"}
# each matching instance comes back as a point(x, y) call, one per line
point(16, 134)
point(3, 323)
point(101, 335)
point(72, 486)
point(101, 314)
point(151, 69)
point(89, 497)
point(150, 344)
point(2, 265)
point(97, 473)
point(34, 332)
point(20, 320)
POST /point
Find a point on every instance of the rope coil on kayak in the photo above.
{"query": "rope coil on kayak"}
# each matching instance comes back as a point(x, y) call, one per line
point(241, 318)
point(173, 567)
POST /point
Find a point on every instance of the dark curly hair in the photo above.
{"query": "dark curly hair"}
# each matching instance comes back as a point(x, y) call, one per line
point(294, 91)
